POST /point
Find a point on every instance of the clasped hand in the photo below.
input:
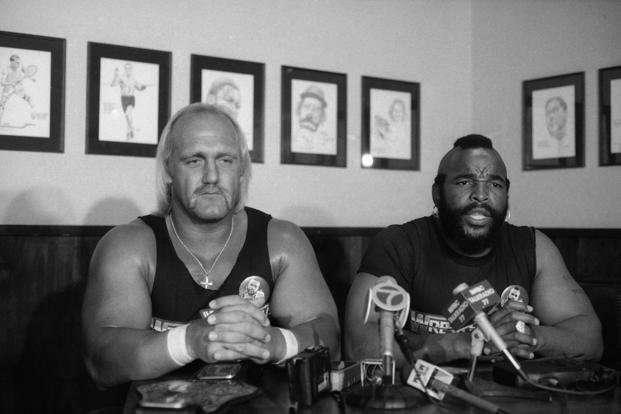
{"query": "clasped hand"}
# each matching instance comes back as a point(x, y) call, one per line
point(235, 330)
point(505, 321)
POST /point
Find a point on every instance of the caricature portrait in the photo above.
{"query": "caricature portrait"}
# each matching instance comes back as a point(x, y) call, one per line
point(553, 123)
point(390, 124)
point(233, 91)
point(314, 116)
point(25, 79)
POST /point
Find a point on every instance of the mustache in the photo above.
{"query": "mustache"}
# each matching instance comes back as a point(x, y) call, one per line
point(208, 189)
point(472, 206)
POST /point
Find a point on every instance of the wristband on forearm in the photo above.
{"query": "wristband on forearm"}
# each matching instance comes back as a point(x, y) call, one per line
point(291, 344)
point(177, 345)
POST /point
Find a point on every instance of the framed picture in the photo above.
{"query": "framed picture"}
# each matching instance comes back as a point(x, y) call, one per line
point(390, 124)
point(128, 98)
point(553, 122)
point(314, 127)
point(610, 116)
point(237, 85)
point(32, 89)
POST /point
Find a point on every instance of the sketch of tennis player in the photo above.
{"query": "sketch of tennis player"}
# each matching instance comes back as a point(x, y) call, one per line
point(128, 85)
point(12, 82)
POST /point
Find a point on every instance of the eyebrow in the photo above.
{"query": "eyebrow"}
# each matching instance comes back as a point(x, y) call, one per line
point(492, 177)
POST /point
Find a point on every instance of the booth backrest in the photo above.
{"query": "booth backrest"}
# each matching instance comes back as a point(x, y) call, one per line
point(43, 272)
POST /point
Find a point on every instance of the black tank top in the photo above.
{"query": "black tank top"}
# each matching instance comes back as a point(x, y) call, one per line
point(177, 298)
point(415, 254)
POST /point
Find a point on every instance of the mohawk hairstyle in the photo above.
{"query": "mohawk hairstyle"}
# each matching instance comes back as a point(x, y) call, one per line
point(467, 142)
point(473, 141)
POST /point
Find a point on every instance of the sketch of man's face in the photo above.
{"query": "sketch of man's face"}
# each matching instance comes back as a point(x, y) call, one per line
point(15, 62)
point(229, 97)
point(397, 111)
point(311, 112)
point(556, 117)
point(128, 69)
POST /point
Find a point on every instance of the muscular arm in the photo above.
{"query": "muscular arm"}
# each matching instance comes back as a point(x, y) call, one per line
point(362, 340)
point(569, 326)
point(117, 310)
point(301, 300)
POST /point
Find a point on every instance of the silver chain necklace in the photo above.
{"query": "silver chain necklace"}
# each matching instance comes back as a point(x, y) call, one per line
point(205, 283)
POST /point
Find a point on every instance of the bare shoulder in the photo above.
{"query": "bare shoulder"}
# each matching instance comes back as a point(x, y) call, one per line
point(130, 237)
point(284, 236)
point(126, 245)
point(546, 252)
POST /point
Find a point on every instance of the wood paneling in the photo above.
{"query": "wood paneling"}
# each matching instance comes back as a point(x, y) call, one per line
point(43, 271)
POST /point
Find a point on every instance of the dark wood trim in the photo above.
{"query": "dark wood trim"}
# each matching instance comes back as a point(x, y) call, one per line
point(77, 230)
point(581, 232)
point(52, 230)
point(68, 231)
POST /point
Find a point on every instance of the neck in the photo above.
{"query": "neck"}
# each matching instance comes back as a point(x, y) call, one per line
point(201, 233)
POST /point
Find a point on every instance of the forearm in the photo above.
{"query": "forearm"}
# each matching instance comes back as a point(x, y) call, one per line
point(322, 330)
point(119, 355)
point(577, 337)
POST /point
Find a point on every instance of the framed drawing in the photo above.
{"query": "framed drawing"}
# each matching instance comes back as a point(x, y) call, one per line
point(32, 88)
point(314, 126)
point(390, 124)
point(553, 122)
point(610, 116)
point(128, 98)
point(237, 85)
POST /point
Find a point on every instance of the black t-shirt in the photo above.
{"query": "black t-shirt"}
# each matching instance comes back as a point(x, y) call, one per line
point(415, 254)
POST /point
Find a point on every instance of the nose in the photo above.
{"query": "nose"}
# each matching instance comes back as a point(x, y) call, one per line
point(480, 191)
point(210, 172)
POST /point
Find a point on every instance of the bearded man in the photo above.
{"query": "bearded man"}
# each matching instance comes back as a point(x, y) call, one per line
point(468, 240)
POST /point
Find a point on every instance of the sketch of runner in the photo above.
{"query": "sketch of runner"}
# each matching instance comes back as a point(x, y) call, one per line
point(128, 86)
point(11, 80)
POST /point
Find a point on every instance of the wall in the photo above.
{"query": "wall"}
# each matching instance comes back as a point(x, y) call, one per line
point(515, 41)
point(420, 41)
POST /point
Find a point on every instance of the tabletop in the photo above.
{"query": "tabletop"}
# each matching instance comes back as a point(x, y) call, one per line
point(272, 396)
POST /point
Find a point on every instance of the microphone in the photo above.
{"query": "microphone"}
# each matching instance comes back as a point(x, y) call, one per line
point(470, 303)
point(436, 382)
point(393, 304)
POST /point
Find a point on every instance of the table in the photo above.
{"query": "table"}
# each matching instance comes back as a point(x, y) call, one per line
point(274, 398)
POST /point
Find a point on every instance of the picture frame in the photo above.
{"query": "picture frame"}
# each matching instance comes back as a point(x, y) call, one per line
point(610, 116)
point(553, 122)
point(128, 99)
point(390, 132)
point(237, 85)
point(32, 95)
point(314, 117)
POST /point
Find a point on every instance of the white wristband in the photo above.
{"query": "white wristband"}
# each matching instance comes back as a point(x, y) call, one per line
point(291, 344)
point(177, 346)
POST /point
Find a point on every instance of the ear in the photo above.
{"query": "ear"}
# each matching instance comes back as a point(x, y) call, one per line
point(435, 194)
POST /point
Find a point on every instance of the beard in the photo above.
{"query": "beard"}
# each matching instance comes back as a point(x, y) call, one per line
point(456, 230)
